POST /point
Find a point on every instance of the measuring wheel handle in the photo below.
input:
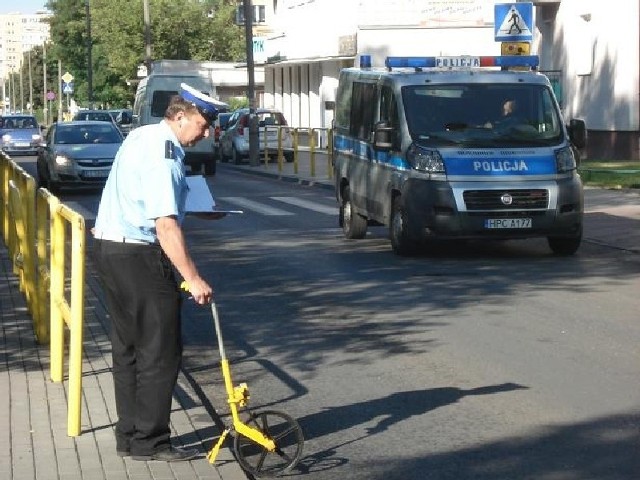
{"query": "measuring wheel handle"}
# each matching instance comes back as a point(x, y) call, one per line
point(285, 433)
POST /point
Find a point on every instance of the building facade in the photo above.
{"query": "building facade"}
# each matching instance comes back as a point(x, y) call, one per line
point(589, 49)
point(18, 34)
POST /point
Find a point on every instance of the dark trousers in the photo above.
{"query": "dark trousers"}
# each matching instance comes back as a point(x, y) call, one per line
point(144, 303)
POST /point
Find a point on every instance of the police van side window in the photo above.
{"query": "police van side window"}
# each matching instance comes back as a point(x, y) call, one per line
point(389, 114)
point(343, 104)
point(363, 107)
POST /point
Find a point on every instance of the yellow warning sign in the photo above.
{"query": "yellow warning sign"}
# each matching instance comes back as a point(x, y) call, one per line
point(515, 48)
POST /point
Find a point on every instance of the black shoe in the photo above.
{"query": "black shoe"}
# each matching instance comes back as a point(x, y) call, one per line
point(123, 453)
point(171, 454)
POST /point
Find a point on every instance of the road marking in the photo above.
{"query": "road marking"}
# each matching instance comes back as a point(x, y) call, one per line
point(298, 202)
point(255, 206)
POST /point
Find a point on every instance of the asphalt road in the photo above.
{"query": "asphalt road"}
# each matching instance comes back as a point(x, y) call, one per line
point(475, 361)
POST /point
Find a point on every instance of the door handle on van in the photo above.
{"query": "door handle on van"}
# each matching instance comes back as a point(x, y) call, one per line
point(382, 136)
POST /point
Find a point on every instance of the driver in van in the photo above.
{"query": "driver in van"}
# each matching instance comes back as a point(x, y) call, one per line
point(508, 117)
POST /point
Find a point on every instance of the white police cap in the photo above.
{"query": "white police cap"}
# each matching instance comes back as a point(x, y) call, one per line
point(206, 105)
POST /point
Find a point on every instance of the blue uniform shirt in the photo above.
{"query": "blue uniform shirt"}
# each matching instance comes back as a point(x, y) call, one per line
point(144, 184)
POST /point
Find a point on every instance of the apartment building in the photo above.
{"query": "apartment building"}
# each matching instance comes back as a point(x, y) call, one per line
point(18, 34)
point(589, 49)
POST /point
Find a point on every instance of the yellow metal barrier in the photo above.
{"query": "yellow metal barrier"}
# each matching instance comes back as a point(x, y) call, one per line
point(66, 312)
point(34, 227)
point(319, 140)
point(18, 229)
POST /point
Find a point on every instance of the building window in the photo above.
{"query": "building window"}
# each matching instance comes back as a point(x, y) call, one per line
point(259, 14)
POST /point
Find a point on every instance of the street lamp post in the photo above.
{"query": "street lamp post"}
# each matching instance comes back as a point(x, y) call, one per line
point(44, 81)
point(30, 86)
point(147, 35)
point(253, 119)
point(89, 62)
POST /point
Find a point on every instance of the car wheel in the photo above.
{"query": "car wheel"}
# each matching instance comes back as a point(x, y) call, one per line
point(220, 154)
point(565, 245)
point(401, 241)
point(236, 158)
point(53, 187)
point(288, 156)
point(354, 225)
point(210, 166)
point(42, 180)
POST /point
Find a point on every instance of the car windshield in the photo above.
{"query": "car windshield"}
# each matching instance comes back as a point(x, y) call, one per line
point(87, 134)
point(482, 115)
point(19, 123)
point(270, 118)
point(99, 116)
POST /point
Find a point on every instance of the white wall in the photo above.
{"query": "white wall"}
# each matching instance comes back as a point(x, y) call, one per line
point(599, 43)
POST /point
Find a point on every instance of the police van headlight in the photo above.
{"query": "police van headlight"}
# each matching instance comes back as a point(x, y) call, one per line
point(565, 160)
point(425, 160)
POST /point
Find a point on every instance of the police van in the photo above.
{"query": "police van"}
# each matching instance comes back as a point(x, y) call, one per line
point(456, 148)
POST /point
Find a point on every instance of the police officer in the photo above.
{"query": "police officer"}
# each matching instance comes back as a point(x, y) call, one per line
point(138, 241)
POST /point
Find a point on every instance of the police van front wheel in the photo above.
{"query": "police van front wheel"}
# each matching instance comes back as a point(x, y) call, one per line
point(353, 225)
point(564, 245)
point(401, 241)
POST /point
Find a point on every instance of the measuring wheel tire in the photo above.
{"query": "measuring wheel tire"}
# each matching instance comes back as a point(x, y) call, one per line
point(286, 433)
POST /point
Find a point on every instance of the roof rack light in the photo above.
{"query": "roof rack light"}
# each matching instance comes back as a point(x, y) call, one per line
point(462, 62)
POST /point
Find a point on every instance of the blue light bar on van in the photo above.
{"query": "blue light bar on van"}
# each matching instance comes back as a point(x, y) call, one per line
point(365, 61)
point(531, 61)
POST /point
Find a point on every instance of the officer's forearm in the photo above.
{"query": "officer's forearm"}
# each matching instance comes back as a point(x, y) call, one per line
point(174, 246)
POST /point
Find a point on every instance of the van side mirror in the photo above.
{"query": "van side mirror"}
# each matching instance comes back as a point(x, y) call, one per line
point(577, 129)
point(382, 136)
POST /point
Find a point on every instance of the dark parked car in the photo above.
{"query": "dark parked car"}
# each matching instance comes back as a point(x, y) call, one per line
point(77, 154)
point(96, 115)
point(220, 126)
point(20, 134)
point(123, 118)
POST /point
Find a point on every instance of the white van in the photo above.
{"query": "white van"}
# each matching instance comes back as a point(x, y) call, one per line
point(151, 101)
point(433, 148)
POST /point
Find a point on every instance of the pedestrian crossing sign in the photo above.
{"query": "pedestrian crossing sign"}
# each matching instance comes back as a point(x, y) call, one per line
point(513, 22)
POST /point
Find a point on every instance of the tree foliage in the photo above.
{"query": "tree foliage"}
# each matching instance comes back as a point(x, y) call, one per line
point(180, 29)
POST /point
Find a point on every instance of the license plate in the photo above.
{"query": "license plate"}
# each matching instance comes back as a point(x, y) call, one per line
point(96, 173)
point(507, 223)
point(21, 144)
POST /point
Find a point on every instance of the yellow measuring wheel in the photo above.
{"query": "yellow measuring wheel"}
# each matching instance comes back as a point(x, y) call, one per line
point(270, 442)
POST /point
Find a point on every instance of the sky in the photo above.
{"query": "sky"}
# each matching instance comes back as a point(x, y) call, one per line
point(21, 6)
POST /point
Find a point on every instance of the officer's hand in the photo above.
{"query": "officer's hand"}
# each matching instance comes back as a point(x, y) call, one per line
point(201, 291)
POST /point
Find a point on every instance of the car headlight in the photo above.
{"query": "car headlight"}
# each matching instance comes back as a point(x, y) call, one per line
point(6, 137)
point(565, 161)
point(425, 160)
point(35, 137)
point(63, 160)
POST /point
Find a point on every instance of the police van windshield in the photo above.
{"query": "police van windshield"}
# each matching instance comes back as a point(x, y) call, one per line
point(482, 115)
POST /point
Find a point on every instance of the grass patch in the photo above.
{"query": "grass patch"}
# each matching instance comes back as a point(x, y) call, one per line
point(610, 174)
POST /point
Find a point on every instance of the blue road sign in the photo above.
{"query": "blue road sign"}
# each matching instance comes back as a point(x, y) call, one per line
point(67, 88)
point(513, 22)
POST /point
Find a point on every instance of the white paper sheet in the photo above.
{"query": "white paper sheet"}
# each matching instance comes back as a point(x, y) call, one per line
point(200, 198)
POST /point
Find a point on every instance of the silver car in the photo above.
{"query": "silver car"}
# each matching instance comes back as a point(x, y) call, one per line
point(20, 134)
point(77, 154)
point(234, 139)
